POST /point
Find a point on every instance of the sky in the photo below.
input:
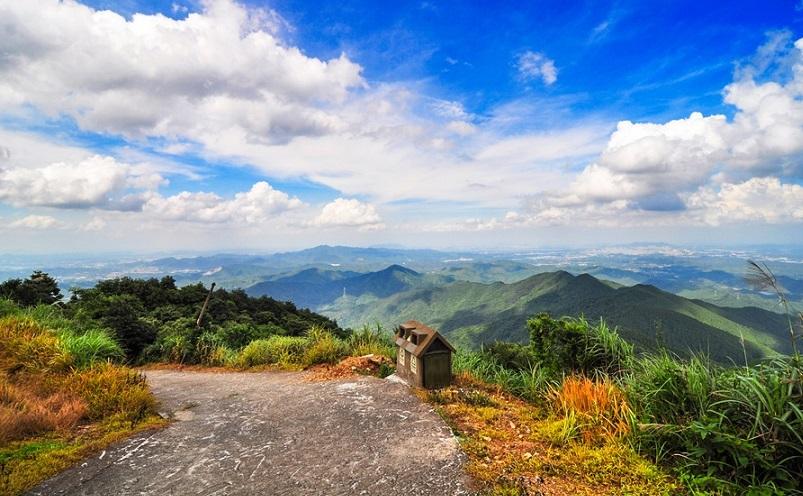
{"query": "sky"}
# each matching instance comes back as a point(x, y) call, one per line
point(268, 125)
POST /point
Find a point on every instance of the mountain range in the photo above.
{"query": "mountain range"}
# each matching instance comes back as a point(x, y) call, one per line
point(472, 313)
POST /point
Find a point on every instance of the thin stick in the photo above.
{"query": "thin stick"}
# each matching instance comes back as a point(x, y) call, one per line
point(203, 309)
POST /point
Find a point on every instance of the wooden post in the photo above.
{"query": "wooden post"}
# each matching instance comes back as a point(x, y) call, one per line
point(203, 309)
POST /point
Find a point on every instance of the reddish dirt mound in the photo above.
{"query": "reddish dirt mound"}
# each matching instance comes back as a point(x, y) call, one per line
point(349, 366)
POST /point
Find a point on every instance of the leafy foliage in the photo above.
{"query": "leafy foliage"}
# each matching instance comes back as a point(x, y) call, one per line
point(572, 345)
point(155, 320)
point(38, 289)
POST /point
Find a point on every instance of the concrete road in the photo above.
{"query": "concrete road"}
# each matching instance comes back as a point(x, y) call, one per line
point(275, 434)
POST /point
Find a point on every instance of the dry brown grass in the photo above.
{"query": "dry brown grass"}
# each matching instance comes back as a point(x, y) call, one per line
point(511, 449)
point(598, 408)
point(47, 406)
point(23, 413)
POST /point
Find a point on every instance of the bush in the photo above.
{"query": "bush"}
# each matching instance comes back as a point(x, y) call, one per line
point(274, 350)
point(574, 346)
point(324, 347)
point(91, 347)
point(371, 341)
point(510, 355)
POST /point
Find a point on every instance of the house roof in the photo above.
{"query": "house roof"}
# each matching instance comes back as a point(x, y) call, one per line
point(426, 336)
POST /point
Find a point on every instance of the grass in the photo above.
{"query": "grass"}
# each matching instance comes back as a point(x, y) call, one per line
point(60, 399)
point(23, 464)
point(598, 409)
point(512, 446)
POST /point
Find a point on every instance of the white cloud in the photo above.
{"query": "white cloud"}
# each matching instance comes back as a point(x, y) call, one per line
point(461, 128)
point(94, 224)
point(764, 199)
point(156, 76)
point(344, 212)
point(261, 203)
point(38, 222)
point(534, 65)
point(88, 183)
point(656, 167)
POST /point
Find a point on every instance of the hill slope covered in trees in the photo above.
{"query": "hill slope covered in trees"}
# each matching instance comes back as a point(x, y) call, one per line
point(474, 313)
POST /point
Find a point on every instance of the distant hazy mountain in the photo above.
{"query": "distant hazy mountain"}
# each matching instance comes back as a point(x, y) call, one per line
point(475, 313)
point(314, 287)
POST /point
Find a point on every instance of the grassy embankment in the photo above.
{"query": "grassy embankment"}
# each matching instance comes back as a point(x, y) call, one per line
point(576, 412)
point(61, 397)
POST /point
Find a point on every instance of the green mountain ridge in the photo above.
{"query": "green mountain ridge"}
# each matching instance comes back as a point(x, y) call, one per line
point(473, 313)
point(313, 288)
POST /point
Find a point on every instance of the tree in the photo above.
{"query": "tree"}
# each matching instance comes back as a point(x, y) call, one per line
point(38, 289)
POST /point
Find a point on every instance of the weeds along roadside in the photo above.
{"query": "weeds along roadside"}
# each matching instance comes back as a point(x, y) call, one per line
point(721, 430)
point(61, 397)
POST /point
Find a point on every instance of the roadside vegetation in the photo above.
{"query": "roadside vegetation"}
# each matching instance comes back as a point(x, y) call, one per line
point(61, 395)
point(592, 405)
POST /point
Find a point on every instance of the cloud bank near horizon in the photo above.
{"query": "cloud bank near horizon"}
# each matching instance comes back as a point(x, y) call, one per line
point(222, 86)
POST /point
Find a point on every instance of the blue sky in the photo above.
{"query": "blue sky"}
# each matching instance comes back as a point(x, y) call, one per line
point(271, 125)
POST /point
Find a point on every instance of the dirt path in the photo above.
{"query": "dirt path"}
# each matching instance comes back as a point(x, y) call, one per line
point(275, 434)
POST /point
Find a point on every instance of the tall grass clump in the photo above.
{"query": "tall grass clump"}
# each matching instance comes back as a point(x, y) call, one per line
point(283, 350)
point(371, 341)
point(93, 346)
point(324, 347)
point(531, 383)
point(598, 408)
point(725, 429)
point(26, 345)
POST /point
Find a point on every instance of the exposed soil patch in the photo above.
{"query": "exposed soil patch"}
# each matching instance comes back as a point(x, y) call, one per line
point(348, 367)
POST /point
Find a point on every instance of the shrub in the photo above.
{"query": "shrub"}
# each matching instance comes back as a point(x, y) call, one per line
point(510, 355)
point(573, 345)
point(324, 347)
point(91, 347)
point(26, 345)
point(371, 341)
point(276, 349)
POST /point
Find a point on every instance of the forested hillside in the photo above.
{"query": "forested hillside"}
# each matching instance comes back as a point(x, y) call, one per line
point(315, 287)
point(473, 313)
point(153, 319)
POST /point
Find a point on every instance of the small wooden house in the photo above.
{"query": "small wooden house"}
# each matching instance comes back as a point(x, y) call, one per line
point(424, 357)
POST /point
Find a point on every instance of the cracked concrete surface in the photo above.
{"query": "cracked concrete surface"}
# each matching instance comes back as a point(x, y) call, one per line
point(275, 434)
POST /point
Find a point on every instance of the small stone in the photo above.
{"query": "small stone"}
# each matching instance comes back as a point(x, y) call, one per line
point(485, 438)
point(527, 455)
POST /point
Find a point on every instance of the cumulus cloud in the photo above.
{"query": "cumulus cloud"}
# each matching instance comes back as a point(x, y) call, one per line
point(344, 212)
point(87, 183)
point(657, 166)
point(534, 65)
point(151, 75)
point(220, 83)
point(37, 222)
point(762, 199)
point(260, 203)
